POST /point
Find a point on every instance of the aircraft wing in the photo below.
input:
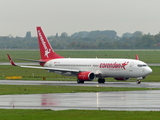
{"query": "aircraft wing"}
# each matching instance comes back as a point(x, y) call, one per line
point(53, 69)
point(30, 60)
point(45, 68)
point(12, 62)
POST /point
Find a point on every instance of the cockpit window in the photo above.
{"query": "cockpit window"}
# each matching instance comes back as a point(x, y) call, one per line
point(142, 65)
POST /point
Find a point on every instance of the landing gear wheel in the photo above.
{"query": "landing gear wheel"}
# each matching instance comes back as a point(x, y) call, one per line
point(101, 80)
point(80, 81)
point(138, 81)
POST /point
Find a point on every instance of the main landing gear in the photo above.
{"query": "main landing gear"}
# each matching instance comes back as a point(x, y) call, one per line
point(80, 81)
point(101, 80)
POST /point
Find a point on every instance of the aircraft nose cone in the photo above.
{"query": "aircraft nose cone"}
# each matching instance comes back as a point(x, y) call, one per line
point(148, 71)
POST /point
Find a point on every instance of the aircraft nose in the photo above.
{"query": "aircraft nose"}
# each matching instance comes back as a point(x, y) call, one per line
point(148, 71)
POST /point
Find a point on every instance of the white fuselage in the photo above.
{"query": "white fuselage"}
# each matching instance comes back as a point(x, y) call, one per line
point(117, 68)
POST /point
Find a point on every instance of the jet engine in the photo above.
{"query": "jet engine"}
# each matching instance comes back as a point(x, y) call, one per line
point(86, 76)
point(121, 79)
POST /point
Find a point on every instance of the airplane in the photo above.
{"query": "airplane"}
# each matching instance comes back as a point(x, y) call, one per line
point(87, 69)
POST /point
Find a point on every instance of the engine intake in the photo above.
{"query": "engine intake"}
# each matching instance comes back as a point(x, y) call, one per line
point(86, 76)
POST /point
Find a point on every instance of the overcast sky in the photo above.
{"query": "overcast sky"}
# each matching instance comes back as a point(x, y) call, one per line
point(57, 16)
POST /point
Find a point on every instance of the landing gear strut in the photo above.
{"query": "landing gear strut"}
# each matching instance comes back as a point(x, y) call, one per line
point(101, 80)
point(80, 81)
point(138, 81)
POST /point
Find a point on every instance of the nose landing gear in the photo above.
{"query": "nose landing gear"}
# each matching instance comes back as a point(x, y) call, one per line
point(138, 81)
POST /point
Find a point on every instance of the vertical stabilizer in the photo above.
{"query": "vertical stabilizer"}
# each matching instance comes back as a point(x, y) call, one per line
point(46, 51)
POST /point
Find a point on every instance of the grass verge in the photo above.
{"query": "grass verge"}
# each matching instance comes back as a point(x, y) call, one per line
point(148, 56)
point(78, 115)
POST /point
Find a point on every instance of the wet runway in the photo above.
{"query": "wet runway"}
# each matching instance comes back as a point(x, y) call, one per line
point(130, 100)
point(135, 101)
point(89, 83)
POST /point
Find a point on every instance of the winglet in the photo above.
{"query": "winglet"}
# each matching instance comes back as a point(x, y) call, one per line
point(137, 58)
point(11, 61)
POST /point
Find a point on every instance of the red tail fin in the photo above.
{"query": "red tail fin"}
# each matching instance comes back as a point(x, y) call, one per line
point(46, 50)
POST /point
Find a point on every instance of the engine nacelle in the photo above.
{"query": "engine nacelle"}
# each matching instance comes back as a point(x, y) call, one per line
point(86, 76)
point(121, 79)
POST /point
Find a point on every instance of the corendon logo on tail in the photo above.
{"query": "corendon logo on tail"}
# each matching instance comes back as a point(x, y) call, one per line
point(114, 65)
point(47, 51)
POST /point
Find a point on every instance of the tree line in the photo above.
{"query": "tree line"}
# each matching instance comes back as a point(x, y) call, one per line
point(107, 39)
